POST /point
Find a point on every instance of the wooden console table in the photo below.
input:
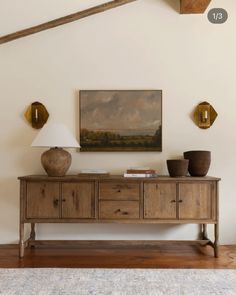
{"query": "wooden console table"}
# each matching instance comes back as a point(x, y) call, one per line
point(115, 199)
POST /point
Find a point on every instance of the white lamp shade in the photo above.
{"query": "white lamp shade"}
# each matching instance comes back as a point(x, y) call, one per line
point(55, 135)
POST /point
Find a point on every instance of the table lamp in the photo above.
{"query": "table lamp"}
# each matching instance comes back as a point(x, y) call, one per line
point(56, 161)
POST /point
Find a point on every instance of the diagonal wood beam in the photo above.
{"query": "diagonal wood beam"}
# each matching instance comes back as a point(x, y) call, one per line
point(193, 6)
point(63, 20)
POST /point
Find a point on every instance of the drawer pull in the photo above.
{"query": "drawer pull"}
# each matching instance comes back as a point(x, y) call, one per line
point(180, 201)
point(63, 200)
point(121, 186)
point(125, 213)
point(55, 202)
point(118, 191)
point(117, 211)
point(173, 201)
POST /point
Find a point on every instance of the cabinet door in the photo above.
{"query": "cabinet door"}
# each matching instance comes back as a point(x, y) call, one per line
point(78, 200)
point(160, 200)
point(195, 201)
point(42, 200)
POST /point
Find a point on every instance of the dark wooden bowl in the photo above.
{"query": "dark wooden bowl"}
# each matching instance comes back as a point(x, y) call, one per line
point(199, 162)
point(177, 168)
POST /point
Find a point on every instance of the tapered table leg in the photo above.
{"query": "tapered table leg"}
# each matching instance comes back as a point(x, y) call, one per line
point(200, 235)
point(21, 242)
point(216, 243)
point(204, 232)
point(32, 234)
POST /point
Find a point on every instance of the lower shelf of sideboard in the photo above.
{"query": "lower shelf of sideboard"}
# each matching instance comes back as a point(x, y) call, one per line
point(125, 221)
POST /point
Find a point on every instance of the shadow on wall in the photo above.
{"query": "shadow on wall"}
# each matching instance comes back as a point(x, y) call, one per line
point(113, 231)
point(77, 113)
point(9, 208)
point(24, 157)
point(174, 4)
point(22, 137)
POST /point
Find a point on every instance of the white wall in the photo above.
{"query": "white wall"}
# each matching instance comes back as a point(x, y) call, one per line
point(143, 45)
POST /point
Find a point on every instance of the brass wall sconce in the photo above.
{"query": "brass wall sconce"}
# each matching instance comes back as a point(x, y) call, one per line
point(37, 115)
point(204, 115)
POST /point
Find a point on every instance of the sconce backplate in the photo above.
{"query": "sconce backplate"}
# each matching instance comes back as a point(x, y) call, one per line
point(204, 115)
point(37, 115)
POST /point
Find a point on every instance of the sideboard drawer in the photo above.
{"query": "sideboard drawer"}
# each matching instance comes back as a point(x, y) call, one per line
point(119, 191)
point(118, 209)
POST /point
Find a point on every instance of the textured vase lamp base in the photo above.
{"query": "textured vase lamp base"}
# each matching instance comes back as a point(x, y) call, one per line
point(56, 161)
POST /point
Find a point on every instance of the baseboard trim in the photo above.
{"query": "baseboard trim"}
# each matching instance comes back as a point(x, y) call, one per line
point(13, 246)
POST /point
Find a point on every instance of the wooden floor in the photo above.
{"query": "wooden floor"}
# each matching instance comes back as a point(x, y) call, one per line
point(168, 255)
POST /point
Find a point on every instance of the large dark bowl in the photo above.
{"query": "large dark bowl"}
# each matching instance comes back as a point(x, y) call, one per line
point(199, 162)
point(177, 168)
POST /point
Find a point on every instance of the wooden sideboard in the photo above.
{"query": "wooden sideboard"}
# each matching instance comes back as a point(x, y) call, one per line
point(115, 199)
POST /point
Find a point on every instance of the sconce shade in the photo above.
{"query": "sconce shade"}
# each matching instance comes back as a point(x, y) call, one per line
point(55, 161)
point(55, 135)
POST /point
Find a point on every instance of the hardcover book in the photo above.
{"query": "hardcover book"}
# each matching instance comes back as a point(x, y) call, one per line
point(146, 175)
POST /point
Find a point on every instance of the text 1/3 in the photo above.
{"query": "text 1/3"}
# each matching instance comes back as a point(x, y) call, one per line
point(217, 16)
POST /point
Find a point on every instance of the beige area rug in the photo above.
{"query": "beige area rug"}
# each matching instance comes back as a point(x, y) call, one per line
point(61, 281)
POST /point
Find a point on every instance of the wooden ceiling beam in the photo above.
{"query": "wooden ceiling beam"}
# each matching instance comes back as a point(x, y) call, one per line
point(63, 20)
point(186, 7)
point(193, 6)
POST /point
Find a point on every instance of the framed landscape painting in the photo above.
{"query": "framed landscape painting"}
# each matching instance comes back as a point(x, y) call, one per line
point(120, 120)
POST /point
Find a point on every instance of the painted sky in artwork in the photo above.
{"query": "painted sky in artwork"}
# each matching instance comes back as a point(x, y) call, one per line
point(120, 110)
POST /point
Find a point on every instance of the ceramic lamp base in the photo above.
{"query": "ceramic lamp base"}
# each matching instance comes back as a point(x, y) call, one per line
point(56, 161)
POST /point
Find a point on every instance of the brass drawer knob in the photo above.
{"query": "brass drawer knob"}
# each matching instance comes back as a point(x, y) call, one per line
point(55, 202)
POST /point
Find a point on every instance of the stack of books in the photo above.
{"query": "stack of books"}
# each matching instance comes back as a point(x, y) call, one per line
point(140, 172)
